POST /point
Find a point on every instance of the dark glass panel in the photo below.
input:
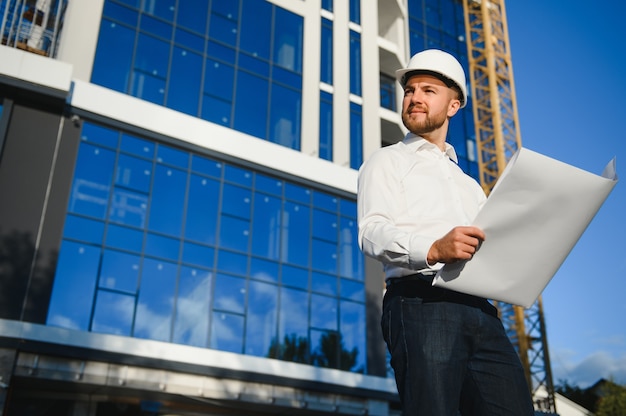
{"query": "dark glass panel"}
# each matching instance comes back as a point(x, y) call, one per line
point(92, 181)
point(183, 91)
point(74, 286)
point(236, 201)
point(295, 277)
point(256, 27)
point(297, 193)
point(326, 67)
point(120, 13)
point(353, 336)
point(326, 126)
point(325, 225)
point(223, 30)
point(227, 332)
point(168, 201)
point(137, 146)
point(230, 294)
point(324, 283)
point(355, 63)
point(268, 184)
point(222, 53)
point(133, 173)
point(356, 136)
point(351, 259)
point(325, 256)
point(160, 246)
point(148, 87)
point(156, 27)
point(172, 157)
point(114, 55)
point(84, 229)
point(155, 303)
point(189, 40)
point(347, 208)
point(201, 221)
point(120, 271)
point(285, 112)
point(152, 56)
point(325, 201)
point(266, 226)
point(237, 175)
point(113, 313)
point(191, 325)
point(251, 104)
point(288, 40)
point(206, 166)
point(164, 9)
point(219, 80)
point(193, 14)
point(94, 133)
point(296, 236)
point(124, 238)
point(355, 11)
point(254, 65)
point(216, 110)
point(261, 318)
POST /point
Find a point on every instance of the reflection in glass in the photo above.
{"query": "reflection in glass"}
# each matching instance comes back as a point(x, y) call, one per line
point(261, 317)
point(191, 323)
point(113, 313)
point(120, 271)
point(227, 332)
point(230, 293)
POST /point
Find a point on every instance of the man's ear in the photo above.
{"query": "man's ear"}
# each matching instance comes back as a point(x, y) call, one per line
point(453, 106)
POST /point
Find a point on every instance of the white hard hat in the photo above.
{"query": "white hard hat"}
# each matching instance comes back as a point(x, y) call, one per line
point(440, 64)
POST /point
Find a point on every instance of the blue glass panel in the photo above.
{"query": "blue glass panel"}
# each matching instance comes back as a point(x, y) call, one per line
point(355, 11)
point(79, 228)
point(296, 235)
point(137, 146)
point(327, 5)
point(94, 133)
point(168, 201)
point(223, 30)
point(198, 254)
point(325, 256)
point(201, 221)
point(128, 207)
point(230, 294)
point(113, 313)
point(133, 173)
point(227, 332)
point(297, 193)
point(74, 286)
point(173, 157)
point(132, 3)
point(154, 305)
point(263, 270)
point(191, 325)
point(163, 8)
point(155, 27)
point(353, 290)
point(325, 225)
point(295, 277)
point(148, 87)
point(228, 9)
point(285, 117)
point(120, 271)
point(193, 14)
point(266, 226)
point(287, 78)
point(326, 66)
point(324, 283)
point(237, 175)
point(114, 55)
point(356, 136)
point(206, 166)
point(219, 80)
point(234, 233)
point(216, 110)
point(288, 40)
point(347, 208)
point(251, 104)
point(351, 262)
point(262, 317)
point(92, 181)
point(124, 238)
point(326, 126)
point(189, 40)
point(221, 52)
point(120, 13)
point(355, 63)
point(232, 263)
point(160, 246)
point(268, 184)
point(325, 201)
point(353, 334)
point(236, 201)
point(256, 26)
point(325, 316)
point(254, 65)
point(183, 91)
point(152, 56)
point(294, 316)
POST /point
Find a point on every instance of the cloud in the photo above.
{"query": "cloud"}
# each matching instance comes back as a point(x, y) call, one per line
point(586, 372)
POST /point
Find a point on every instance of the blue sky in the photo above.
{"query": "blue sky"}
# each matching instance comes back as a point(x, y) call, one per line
point(568, 65)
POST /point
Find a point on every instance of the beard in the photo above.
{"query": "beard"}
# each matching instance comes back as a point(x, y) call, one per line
point(430, 123)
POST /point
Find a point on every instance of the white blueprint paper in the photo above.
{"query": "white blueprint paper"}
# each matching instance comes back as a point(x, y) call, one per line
point(532, 219)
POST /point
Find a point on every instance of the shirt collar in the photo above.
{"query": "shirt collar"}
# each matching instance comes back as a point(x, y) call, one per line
point(415, 143)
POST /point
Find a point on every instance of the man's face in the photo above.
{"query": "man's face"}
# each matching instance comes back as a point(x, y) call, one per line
point(427, 104)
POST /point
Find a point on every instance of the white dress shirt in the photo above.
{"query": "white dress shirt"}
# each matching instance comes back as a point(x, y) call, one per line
point(409, 195)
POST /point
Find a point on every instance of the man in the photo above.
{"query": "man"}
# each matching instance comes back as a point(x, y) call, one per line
point(449, 351)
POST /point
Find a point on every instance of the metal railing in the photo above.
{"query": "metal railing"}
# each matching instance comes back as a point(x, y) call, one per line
point(32, 25)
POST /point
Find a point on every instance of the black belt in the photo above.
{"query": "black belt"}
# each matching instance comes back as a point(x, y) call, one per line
point(420, 286)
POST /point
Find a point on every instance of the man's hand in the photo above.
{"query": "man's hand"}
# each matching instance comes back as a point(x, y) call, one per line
point(459, 244)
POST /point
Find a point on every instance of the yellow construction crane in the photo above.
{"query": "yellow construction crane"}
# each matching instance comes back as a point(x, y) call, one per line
point(497, 139)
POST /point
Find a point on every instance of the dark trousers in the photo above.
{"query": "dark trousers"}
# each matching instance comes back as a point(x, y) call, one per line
point(450, 354)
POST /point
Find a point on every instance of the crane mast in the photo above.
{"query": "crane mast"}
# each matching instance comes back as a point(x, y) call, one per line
point(497, 139)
